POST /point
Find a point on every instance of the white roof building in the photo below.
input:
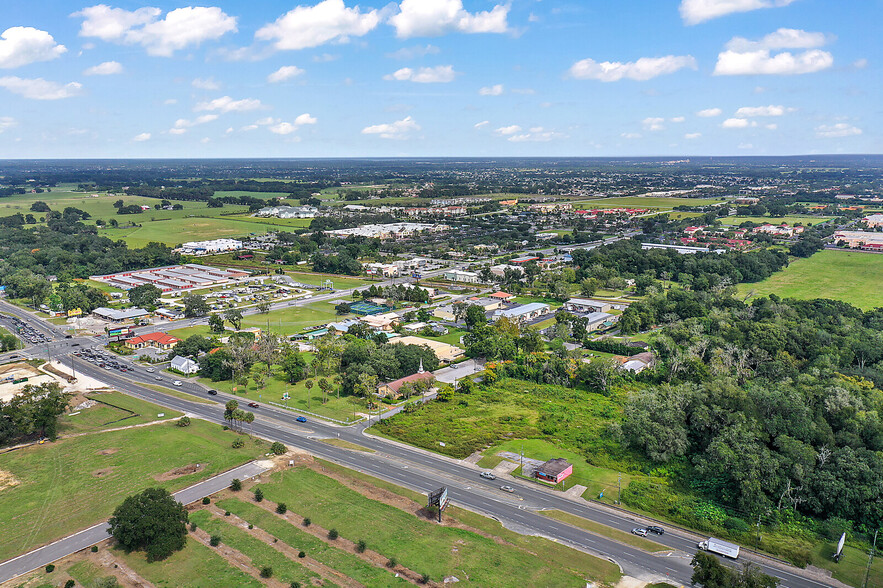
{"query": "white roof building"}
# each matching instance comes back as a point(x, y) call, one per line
point(184, 365)
point(214, 246)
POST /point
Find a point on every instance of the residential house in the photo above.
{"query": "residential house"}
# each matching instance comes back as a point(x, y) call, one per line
point(185, 365)
point(381, 321)
point(638, 363)
point(393, 389)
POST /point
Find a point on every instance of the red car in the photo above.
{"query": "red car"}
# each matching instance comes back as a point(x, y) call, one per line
point(253, 404)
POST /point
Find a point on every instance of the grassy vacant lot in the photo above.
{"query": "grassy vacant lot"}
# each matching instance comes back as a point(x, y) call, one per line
point(851, 569)
point(114, 410)
point(76, 482)
point(850, 276)
point(515, 409)
point(804, 220)
point(395, 533)
point(261, 554)
point(293, 319)
point(195, 566)
point(645, 202)
point(179, 230)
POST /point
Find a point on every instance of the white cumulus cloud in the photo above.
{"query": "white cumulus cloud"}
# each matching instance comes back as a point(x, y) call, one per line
point(414, 52)
point(400, 129)
point(696, 11)
point(440, 74)
point(509, 130)
point(286, 72)
point(709, 112)
point(24, 45)
point(40, 89)
point(837, 130)
point(142, 137)
point(630, 135)
point(7, 122)
point(692, 136)
point(536, 135)
point(206, 84)
point(771, 110)
point(311, 26)
point(737, 123)
point(653, 123)
point(644, 68)
point(482, 124)
point(182, 27)
point(108, 68)
point(183, 123)
point(745, 57)
point(431, 18)
point(227, 104)
point(677, 119)
point(305, 119)
point(495, 90)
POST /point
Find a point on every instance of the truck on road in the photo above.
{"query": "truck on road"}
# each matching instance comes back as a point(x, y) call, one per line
point(720, 547)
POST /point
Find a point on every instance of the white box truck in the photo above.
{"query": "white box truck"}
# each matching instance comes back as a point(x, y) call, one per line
point(724, 548)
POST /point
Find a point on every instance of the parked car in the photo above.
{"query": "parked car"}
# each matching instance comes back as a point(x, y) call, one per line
point(301, 419)
point(657, 530)
point(253, 404)
point(213, 392)
point(488, 475)
point(177, 383)
point(507, 488)
point(640, 532)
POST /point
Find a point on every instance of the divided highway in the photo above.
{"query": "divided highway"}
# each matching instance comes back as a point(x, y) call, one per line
point(423, 471)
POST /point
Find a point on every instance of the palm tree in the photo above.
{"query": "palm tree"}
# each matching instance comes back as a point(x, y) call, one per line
point(337, 382)
point(309, 385)
point(325, 387)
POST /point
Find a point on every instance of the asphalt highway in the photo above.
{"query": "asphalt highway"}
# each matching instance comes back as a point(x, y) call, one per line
point(424, 471)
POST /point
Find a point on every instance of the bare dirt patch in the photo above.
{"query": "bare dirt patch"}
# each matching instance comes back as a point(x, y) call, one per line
point(7, 480)
point(103, 472)
point(109, 451)
point(178, 472)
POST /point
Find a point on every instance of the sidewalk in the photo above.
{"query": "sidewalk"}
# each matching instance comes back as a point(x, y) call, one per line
point(86, 538)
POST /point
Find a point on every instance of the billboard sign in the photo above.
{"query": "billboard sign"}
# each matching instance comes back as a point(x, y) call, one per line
point(439, 500)
point(74, 312)
point(839, 553)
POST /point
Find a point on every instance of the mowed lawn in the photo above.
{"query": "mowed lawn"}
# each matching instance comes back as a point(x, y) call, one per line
point(850, 276)
point(425, 546)
point(180, 230)
point(645, 202)
point(74, 483)
point(804, 220)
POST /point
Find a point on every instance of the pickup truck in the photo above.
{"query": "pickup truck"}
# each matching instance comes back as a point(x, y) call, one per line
point(724, 548)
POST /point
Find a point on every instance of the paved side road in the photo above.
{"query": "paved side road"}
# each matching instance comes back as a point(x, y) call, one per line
point(88, 537)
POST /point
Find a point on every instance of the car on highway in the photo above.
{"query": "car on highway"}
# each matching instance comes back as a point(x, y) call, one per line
point(655, 529)
point(640, 532)
point(507, 489)
point(177, 383)
point(253, 404)
point(488, 475)
point(158, 378)
point(213, 392)
point(301, 419)
point(150, 370)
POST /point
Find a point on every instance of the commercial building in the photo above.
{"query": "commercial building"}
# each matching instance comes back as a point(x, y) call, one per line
point(158, 340)
point(486, 304)
point(505, 297)
point(782, 230)
point(599, 320)
point(583, 305)
point(210, 247)
point(387, 270)
point(185, 365)
point(522, 313)
point(443, 351)
point(874, 221)
point(390, 231)
point(860, 240)
point(288, 212)
point(173, 278)
point(393, 389)
point(117, 316)
point(554, 470)
point(462, 276)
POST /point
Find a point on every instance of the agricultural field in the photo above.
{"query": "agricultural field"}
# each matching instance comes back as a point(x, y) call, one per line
point(58, 488)
point(805, 220)
point(851, 276)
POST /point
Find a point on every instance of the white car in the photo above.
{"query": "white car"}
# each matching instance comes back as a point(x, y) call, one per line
point(177, 383)
point(640, 532)
point(150, 370)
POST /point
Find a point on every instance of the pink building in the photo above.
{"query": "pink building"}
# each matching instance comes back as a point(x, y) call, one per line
point(554, 470)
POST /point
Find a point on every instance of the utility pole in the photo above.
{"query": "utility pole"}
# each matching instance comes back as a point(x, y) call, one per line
point(618, 488)
point(522, 458)
point(757, 539)
point(870, 559)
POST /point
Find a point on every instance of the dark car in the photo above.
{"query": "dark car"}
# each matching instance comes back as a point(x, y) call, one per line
point(657, 530)
point(213, 392)
point(301, 419)
point(253, 404)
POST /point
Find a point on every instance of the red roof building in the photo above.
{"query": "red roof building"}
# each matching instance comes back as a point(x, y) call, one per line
point(159, 340)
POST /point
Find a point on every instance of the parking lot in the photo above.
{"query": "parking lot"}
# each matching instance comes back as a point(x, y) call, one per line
point(24, 331)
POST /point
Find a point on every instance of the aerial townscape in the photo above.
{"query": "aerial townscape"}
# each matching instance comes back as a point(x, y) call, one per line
point(492, 293)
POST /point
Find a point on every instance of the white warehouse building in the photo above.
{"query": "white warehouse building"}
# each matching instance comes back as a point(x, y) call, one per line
point(209, 247)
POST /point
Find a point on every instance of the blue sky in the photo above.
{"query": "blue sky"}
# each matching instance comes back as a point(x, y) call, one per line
point(439, 78)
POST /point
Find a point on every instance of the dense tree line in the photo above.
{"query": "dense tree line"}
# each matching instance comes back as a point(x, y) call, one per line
point(32, 412)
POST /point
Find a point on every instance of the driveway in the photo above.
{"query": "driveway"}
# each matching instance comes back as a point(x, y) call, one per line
point(451, 374)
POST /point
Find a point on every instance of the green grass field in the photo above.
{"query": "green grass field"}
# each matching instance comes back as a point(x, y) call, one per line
point(791, 220)
point(293, 319)
point(850, 276)
point(76, 482)
point(114, 410)
point(400, 534)
point(851, 569)
point(179, 230)
point(195, 566)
